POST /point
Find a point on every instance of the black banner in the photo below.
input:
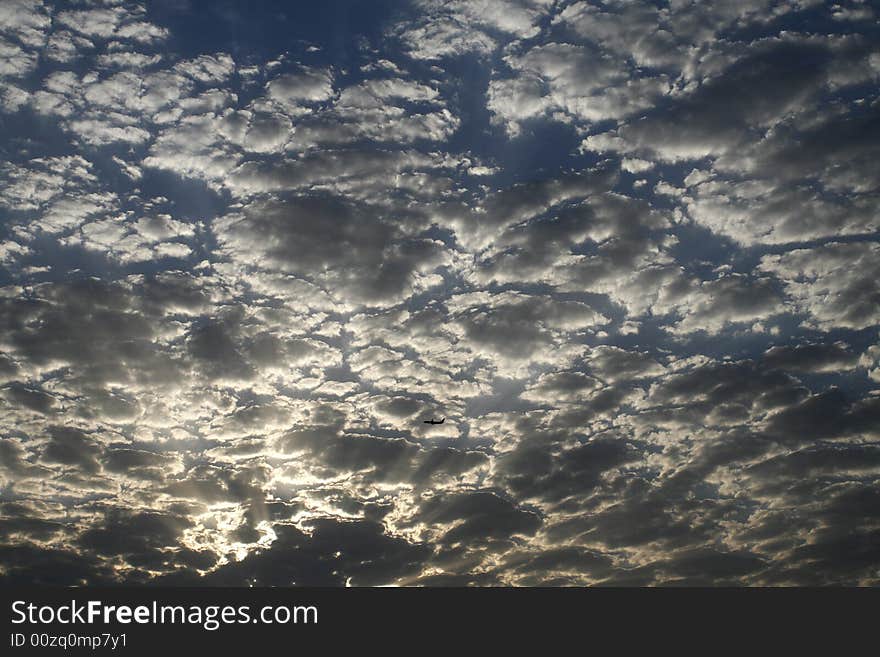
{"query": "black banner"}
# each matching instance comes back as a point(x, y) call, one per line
point(130, 620)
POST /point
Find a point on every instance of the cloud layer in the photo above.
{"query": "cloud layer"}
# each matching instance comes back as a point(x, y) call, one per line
point(629, 252)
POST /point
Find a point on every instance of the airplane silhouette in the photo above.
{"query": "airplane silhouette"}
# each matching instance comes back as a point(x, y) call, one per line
point(432, 421)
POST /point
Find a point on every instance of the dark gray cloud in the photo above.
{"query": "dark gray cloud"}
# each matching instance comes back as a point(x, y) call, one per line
point(355, 251)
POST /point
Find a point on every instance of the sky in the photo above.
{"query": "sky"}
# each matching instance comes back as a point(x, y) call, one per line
point(627, 249)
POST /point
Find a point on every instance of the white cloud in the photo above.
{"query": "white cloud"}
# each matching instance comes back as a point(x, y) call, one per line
point(835, 285)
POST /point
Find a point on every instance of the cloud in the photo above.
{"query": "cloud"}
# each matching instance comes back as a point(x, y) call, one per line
point(307, 85)
point(628, 252)
point(354, 251)
point(574, 79)
point(459, 28)
point(758, 211)
point(71, 447)
point(728, 299)
point(819, 357)
point(112, 22)
point(478, 517)
point(833, 285)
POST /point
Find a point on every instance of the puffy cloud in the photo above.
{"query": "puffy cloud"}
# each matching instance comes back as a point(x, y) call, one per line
point(117, 22)
point(819, 357)
point(834, 285)
point(459, 28)
point(591, 245)
point(758, 211)
point(516, 329)
point(355, 252)
point(728, 299)
point(307, 85)
point(577, 80)
point(27, 20)
point(870, 360)
point(193, 148)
